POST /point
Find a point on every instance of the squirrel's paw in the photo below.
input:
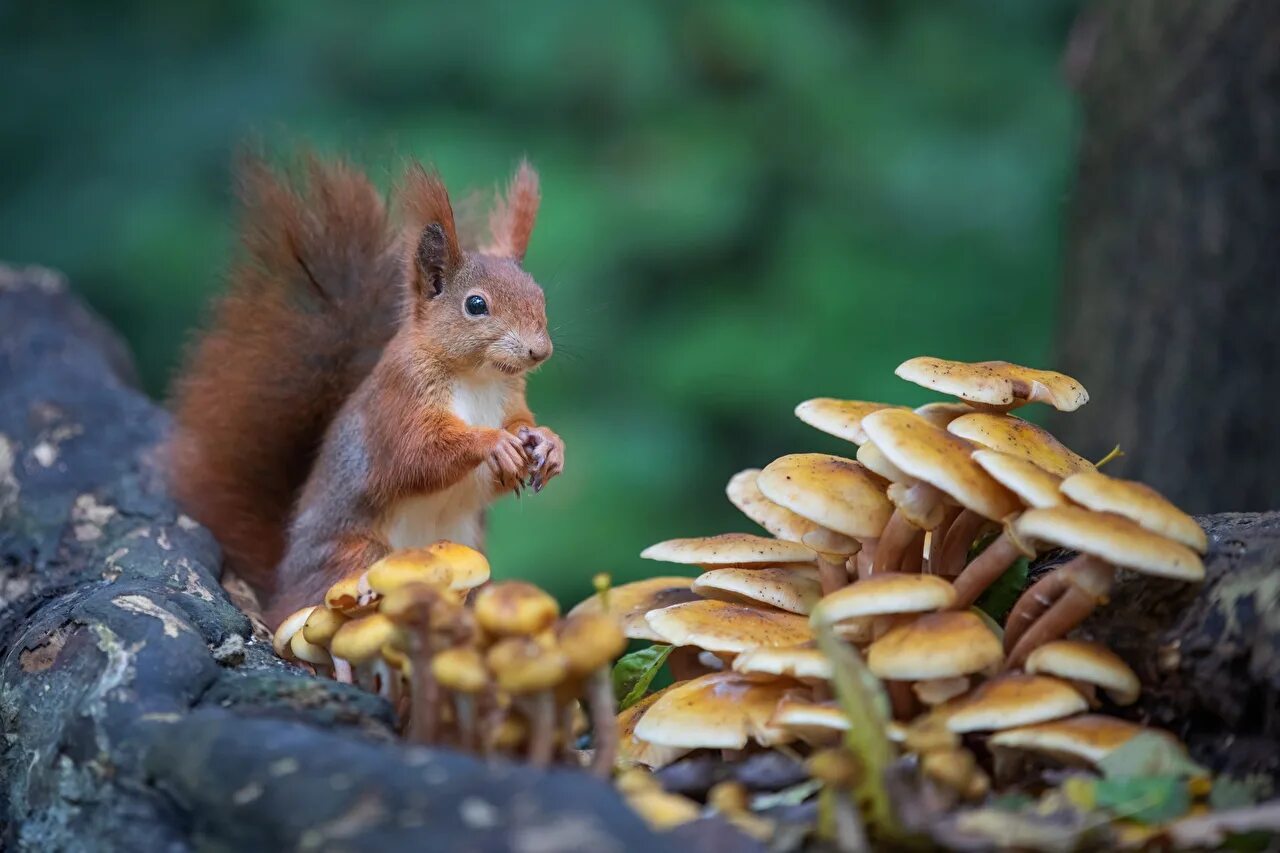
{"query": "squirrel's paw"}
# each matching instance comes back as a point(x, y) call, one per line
point(546, 454)
point(508, 461)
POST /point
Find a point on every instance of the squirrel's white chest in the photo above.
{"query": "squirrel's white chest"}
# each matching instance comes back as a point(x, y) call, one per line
point(455, 513)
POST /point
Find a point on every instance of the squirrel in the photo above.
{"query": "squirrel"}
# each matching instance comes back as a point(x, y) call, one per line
point(361, 388)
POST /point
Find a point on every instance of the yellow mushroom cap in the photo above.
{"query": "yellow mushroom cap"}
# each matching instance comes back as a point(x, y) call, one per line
point(1013, 700)
point(837, 493)
point(1020, 438)
point(925, 452)
point(662, 810)
point(629, 603)
point(524, 665)
point(812, 722)
point(728, 549)
point(400, 568)
point(345, 595)
point(1088, 662)
point(468, 567)
point(461, 668)
point(284, 632)
point(718, 626)
point(794, 661)
point(1033, 485)
point(361, 640)
point(744, 492)
point(1112, 538)
point(309, 652)
point(885, 594)
point(589, 641)
point(795, 590)
point(322, 624)
point(416, 603)
point(515, 607)
point(717, 711)
point(942, 414)
point(871, 458)
point(935, 646)
point(841, 418)
point(1089, 737)
point(1137, 502)
point(632, 750)
point(995, 384)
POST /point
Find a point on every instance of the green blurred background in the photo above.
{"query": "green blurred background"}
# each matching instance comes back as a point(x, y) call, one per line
point(745, 203)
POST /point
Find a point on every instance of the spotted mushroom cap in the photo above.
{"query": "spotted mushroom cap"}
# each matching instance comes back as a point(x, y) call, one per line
point(871, 458)
point(925, 452)
point(1017, 437)
point(841, 418)
point(284, 632)
point(837, 493)
point(744, 492)
point(1013, 700)
point(1137, 502)
point(996, 385)
point(935, 646)
point(1112, 538)
point(886, 594)
point(718, 626)
point(632, 750)
point(1033, 485)
point(629, 603)
point(795, 590)
point(722, 710)
point(1088, 737)
point(729, 549)
point(515, 607)
point(1091, 663)
point(795, 661)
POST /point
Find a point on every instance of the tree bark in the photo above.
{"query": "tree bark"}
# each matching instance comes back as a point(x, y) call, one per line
point(1171, 307)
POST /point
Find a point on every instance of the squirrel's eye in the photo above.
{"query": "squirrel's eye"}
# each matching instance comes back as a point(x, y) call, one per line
point(476, 306)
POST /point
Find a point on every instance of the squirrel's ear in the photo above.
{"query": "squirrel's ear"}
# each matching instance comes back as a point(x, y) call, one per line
point(513, 215)
point(435, 251)
point(431, 260)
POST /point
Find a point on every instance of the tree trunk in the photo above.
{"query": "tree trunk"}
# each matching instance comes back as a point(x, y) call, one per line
point(1171, 310)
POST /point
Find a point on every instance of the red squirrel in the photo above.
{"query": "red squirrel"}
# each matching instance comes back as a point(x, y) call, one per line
point(362, 385)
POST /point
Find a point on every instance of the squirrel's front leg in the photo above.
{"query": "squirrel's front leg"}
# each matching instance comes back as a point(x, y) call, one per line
point(546, 454)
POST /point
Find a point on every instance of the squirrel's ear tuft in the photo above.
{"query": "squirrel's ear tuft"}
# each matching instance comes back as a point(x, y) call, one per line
point(513, 215)
point(425, 203)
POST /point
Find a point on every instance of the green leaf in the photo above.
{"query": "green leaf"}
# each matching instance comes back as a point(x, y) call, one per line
point(1147, 799)
point(998, 600)
point(634, 673)
point(1150, 754)
point(793, 796)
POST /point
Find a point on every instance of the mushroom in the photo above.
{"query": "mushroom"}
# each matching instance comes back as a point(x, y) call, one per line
point(794, 590)
point(629, 603)
point(283, 636)
point(1087, 665)
point(660, 809)
point(938, 468)
point(515, 608)
point(1063, 599)
point(815, 723)
point(632, 750)
point(468, 567)
point(1020, 438)
point(461, 670)
point(1137, 502)
point(319, 629)
point(938, 652)
point(729, 549)
point(838, 494)
point(957, 770)
point(721, 710)
point(804, 663)
point(345, 596)
point(1088, 738)
point(942, 414)
point(884, 599)
point(1012, 700)
point(995, 385)
point(724, 628)
point(421, 609)
point(838, 770)
point(590, 642)
point(732, 801)
point(360, 642)
point(744, 492)
point(529, 670)
point(841, 418)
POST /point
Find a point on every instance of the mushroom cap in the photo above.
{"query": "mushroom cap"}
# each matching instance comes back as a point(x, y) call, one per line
point(515, 607)
point(729, 549)
point(461, 669)
point(1089, 737)
point(721, 710)
point(400, 568)
point(942, 414)
point(1137, 502)
point(361, 640)
point(795, 590)
point(322, 624)
point(885, 594)
point(841, 418)
point(718, 626)
point(629, 603)
point(346, 597)
point(812, 722)
point(589, 641)
point(469, 567)
point(1091, 663)
point(874, 460)
point(995, 384)
point(1013, 700)
point(938, 645)
point(1017, 437)
point(1112, 538)
point(419, 603)
point(1033, 485)
point(744, 492)
point(837, 493)
point(284, 632)
point(794, 661)
point(308, 652)
point(632, 750)
point(524, 665)
point(924, 452)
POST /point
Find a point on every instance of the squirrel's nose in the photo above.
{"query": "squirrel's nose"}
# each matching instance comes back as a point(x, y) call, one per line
point(540, 352)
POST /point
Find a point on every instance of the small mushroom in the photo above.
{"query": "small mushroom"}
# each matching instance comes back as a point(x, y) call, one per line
point(319, 629)
point(1087, 665)
point(838, 770)
point(590, 643)
point(841, 418)
point(360, 641)
point(530, 670)
point(1012, 700)
point(1137, 502)
point(724, 628)
point(722, 710)
point(942, 414)
point(995, 385)
point(461, 670)
point(420, 609)
point(515, 608)
point(815, 723)
point(1087, 739)
point(629, 603)
point(804, 663)
point(1023, 439)
point(884, 599)
point(956, 770)
point(795, 590)
point(744, 492)
point(728, 549)
point(346, 597)
point(632, 750)
point(283, 636)
point(938, 652)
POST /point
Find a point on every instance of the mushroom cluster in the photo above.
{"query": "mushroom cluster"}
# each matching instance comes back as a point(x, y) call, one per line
point(484, 667)
point(890, 551)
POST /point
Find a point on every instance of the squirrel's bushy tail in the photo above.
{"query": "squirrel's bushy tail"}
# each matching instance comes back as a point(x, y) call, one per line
point(310, 306)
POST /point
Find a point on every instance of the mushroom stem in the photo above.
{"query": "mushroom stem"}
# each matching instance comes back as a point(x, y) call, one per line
point(860, 564)
point(542, 722)
point(913, 557)
point(1053, 608)
point(464, 709)
point(901, 699)
point(967, 527)
point(833, 575)
point(984, 570)
point(897, 535)
point(604, 722)
point(424, 698)
point(938, 536)
point(683, 663)
point(567, 736)
point(342, 671)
